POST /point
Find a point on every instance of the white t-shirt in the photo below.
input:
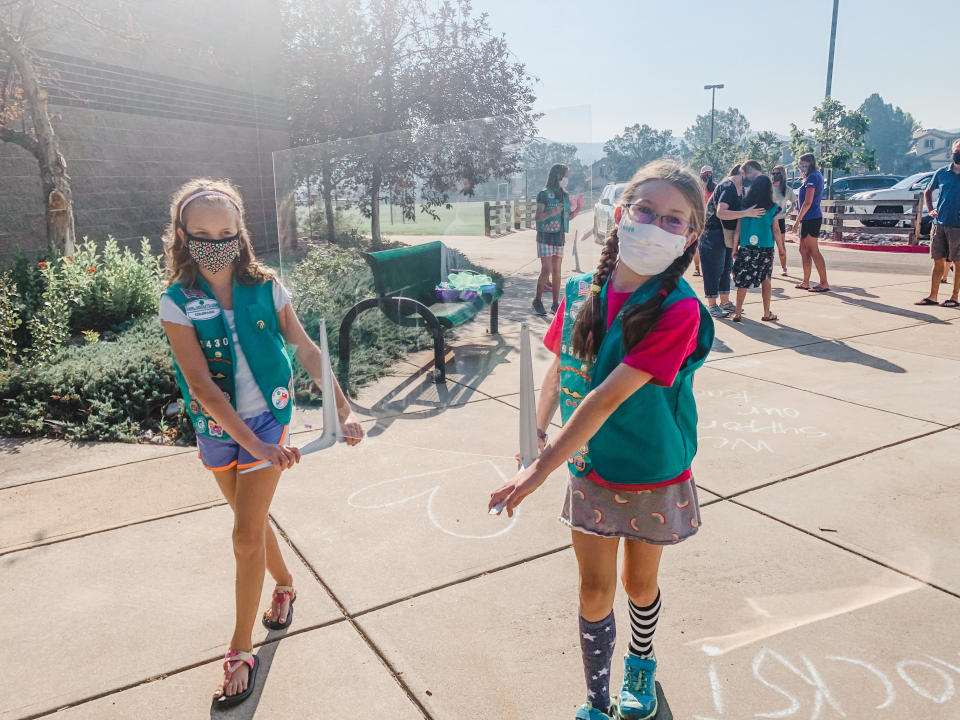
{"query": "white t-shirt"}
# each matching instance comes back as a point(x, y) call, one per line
point(250, 400)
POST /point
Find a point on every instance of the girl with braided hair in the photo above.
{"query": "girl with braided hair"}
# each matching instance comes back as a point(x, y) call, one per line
point(628, 339)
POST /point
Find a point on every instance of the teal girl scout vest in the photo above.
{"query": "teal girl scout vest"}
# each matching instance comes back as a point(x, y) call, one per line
point(652, 437)
point(258, 330)
point(557, 223)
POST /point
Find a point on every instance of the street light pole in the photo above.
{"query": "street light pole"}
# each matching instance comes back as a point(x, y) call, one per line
point(833, 42)
point(713, 96)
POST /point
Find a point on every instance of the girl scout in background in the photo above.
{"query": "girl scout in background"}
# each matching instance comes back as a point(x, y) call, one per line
point(627, 341)
point(227, 317)
point(553, 217)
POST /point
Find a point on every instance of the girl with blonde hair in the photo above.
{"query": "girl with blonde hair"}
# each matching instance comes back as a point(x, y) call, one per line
point(227, 318)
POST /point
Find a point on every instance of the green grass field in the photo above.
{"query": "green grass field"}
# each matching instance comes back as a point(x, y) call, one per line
point(464, 218)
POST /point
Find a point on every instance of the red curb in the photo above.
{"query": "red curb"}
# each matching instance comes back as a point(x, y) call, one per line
point(925, 249)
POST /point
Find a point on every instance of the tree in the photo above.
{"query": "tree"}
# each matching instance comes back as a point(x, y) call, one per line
point(325, 85)
point(839, 133)
point(409, 72)
point(799, 144)
point(24, 99)
point(729, 123)
point(635, 147)
point(891, 133)
point(721, 155)
point(766, 148)
point(539, 156)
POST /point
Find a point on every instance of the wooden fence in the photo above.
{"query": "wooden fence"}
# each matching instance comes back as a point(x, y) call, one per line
point(502, 216)
point(836, 216)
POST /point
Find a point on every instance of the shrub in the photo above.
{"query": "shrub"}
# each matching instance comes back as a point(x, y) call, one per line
point(99, 391)
point(49, 323)
point(92, 290)
point(111, 287)
point(9, 320)
point(28, 279)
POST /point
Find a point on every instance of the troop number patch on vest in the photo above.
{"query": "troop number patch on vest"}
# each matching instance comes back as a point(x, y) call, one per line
point(202, 309)
point(280, 398)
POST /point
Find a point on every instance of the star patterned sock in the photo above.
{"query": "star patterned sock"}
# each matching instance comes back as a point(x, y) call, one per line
point(643, 623)
point(596, 644)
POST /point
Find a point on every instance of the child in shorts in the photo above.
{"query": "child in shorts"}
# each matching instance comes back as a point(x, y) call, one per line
point(753, 253)
point(227, 317)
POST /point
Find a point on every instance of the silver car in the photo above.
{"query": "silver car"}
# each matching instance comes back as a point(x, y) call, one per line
point(896, 200)
point(603, 211)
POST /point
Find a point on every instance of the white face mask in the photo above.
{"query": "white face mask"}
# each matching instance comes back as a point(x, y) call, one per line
point(564, 182)
point(648, 249)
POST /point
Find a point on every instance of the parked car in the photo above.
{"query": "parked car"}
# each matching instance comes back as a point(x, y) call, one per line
point(603, 211)
point(898, 199)
point(845, 186)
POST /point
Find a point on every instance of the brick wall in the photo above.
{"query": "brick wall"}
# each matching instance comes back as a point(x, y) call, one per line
point(199, 96)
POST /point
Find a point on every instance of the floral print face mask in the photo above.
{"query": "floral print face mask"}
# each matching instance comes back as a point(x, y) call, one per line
point(213, 255)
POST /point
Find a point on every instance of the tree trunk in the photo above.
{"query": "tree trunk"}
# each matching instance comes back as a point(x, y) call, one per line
point(57, 195)
point(326, 189)
point(375, 239)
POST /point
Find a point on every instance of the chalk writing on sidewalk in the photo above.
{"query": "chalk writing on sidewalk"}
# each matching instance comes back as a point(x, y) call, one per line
point(803, 688)
point(399, 490)
point(767, 422)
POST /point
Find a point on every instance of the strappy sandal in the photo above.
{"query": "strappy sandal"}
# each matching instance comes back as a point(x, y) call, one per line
point(231, 661)
point(281, 593)
point(737, 317)
point(769, 318)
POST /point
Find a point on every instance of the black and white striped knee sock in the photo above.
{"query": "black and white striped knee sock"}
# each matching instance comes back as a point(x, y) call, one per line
point(643, 623)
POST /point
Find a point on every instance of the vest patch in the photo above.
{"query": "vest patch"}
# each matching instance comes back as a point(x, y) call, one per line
point(280, 398)
point(202, 309)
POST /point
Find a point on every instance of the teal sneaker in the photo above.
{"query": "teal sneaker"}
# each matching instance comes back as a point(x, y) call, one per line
point(638, 698)
point(588, 712)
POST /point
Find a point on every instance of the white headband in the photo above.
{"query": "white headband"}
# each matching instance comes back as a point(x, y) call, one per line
point(206, 193)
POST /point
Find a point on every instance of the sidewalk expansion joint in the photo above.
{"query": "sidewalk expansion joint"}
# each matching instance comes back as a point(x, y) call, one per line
point(833, 397)
point(171, 673)
point(839, 461)
point(368, 641)
point(121, 526)
point(919, 323)
point(461, 581)
point(841, 546)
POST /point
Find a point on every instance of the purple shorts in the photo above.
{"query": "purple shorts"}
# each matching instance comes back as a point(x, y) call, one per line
point(217, 455)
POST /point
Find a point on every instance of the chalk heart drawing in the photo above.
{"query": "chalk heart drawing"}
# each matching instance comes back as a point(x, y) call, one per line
point(462, 486)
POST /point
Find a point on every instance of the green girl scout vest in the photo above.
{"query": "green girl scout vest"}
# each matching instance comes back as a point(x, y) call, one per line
point(652, 436)
point(557, 223)
point(258, 330)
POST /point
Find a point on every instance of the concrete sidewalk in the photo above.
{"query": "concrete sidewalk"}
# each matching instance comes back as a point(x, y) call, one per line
point(825, 582)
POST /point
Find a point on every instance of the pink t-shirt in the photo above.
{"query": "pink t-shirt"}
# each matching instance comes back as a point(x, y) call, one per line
point(662, 351)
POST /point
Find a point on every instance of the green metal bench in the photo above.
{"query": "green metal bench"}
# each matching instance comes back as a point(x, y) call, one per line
point(404, 280)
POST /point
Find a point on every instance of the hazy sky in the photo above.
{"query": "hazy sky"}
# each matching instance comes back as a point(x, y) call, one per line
point(647, 61)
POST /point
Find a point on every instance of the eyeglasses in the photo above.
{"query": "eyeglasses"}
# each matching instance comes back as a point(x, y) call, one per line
point(645, 216)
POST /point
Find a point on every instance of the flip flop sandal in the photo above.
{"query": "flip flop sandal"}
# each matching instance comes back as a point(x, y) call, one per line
point(231, 661)
point(737, 317)
point(950, 303)
point(819, 288)
point(696, 273)
point(769, 318)
point(280, 593)
point(801, 286)
point(927, 301)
